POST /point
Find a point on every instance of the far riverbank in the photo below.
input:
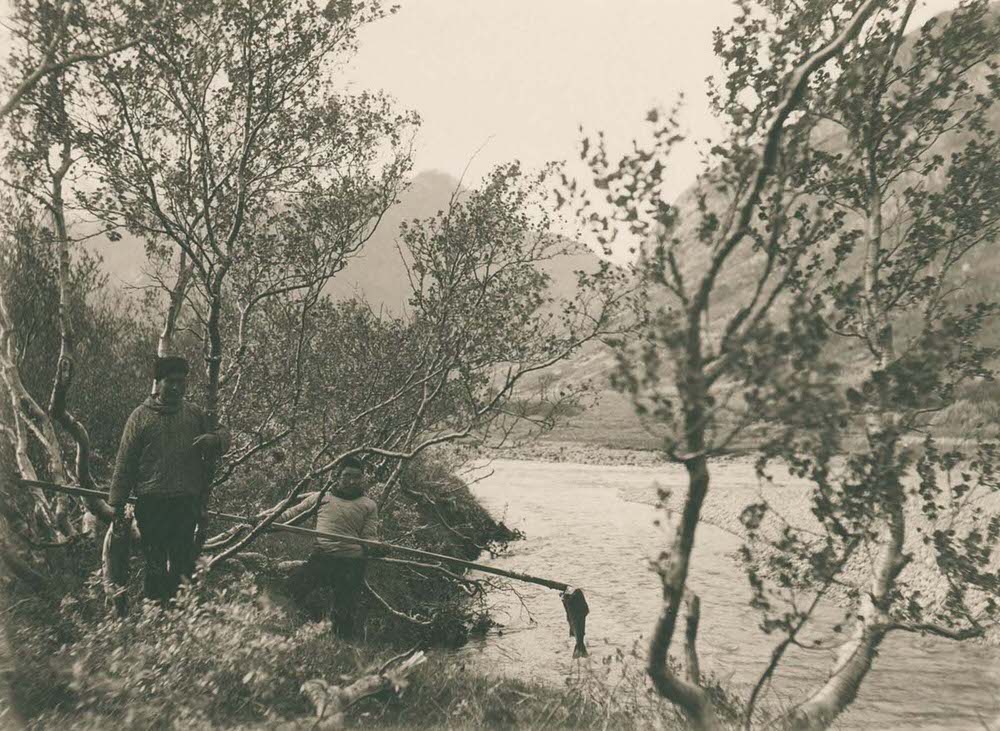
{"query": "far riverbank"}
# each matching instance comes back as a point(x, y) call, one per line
point(580, 453)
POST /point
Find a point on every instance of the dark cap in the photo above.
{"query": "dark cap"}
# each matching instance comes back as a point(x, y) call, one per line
point(352, 462)
point(170, 366)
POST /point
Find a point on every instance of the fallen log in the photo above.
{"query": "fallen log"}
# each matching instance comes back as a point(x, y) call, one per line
point(331, 701)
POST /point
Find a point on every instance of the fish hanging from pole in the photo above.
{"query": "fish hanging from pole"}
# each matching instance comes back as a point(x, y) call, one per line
point(575, 604)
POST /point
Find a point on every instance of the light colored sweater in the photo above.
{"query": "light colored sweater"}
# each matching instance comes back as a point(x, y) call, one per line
point(346, 516)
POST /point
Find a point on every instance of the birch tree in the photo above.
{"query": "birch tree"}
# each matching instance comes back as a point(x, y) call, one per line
point(76, 33)
point(854, 214)
point(909, 157)
point(696, 371)
point(223, 144)
point(43, 150)
point(243, 158)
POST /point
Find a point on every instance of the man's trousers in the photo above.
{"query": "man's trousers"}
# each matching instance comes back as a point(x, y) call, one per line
point(345, 576)
point(167, 525)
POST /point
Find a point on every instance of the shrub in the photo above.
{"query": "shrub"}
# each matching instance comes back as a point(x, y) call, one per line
point(217, 657)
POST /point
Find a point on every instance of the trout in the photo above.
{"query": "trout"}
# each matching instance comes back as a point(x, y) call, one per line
point(575, 604)
point(114, 563)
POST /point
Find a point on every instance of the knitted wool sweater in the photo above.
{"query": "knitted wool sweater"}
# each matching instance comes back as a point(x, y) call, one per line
point(346, 514)
point(157, 455)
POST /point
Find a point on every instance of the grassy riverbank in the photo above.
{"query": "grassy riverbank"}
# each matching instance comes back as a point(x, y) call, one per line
point(611, 424)
point(229, 658)
point(235, 654)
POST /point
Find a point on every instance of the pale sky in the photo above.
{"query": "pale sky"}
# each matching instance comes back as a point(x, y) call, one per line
point(520, 76)
point(515, 79)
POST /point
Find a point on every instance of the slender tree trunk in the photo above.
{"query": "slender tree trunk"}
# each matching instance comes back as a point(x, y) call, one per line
point(9, 717)
point(214, 336)
point(165, 344)
point(675, 563)
point(213, 332)
point(855, 657)
point(27, 417)
point(65, 370)
point(64, 366)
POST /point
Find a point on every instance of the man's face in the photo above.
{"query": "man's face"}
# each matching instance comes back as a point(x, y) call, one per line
point(350, 478)
point(172, 388)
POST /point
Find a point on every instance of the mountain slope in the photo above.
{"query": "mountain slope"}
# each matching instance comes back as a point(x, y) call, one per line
point(979, 403)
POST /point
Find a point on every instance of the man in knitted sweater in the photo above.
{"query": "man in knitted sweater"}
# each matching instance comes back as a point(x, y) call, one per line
point(166, 458)
point(336, 563)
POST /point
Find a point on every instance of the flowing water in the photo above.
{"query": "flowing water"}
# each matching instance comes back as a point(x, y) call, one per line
point(581, 530)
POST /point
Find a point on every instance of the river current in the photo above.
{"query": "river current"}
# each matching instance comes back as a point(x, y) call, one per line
point(580, 529)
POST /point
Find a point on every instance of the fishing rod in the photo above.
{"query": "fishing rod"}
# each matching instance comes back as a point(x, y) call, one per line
point(573, 599)
point(289, 528)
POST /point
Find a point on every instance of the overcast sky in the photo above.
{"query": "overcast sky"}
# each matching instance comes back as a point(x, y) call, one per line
point(520, 76)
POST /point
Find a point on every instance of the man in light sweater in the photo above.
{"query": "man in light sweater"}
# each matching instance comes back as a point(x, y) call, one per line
point(166, 458)
point(340, 564)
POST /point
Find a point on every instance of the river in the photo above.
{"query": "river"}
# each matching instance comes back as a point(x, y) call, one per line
point(580, 529)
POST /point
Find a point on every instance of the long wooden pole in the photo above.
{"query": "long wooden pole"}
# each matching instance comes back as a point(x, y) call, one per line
point(286, 528)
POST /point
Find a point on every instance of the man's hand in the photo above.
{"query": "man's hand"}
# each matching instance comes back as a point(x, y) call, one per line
point(209, 444)
point(201, 531)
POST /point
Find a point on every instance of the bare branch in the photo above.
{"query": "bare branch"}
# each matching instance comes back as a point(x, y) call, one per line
point(395, 612)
